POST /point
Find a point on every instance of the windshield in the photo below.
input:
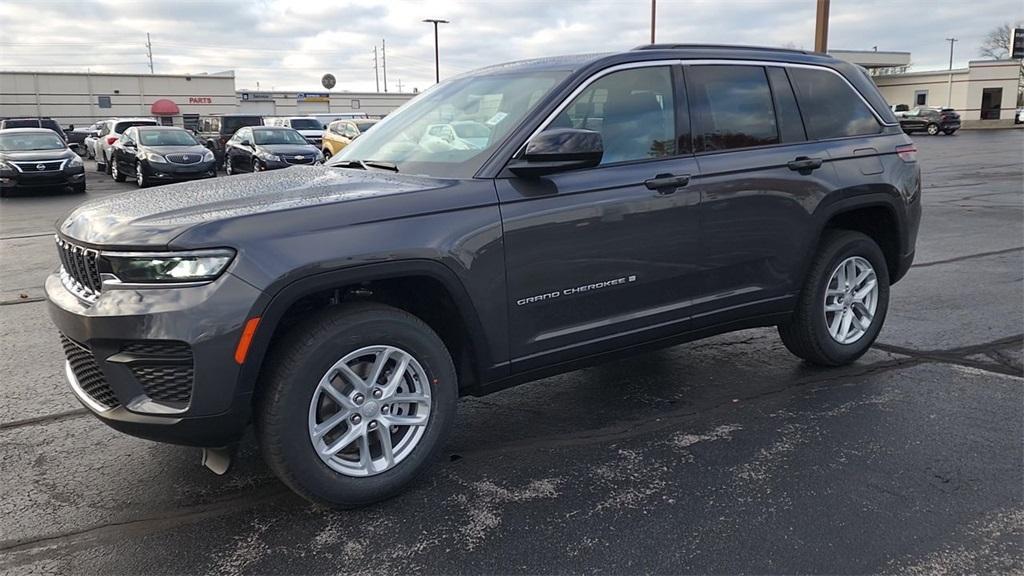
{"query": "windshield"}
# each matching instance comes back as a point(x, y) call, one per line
point(29, 141)
point(230, 124)
point(120, 127)
point(307, 124)
point(364, 126)
point(166, 138)
point(278, 136)
point(451, 129)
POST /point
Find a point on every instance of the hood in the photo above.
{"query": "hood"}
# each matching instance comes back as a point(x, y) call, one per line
point(153, 217)
point(30, 155)
point(289, 149)
point(193, 149)
point(315, 133)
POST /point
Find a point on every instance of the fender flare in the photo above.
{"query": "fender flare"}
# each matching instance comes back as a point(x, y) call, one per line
point(275, 302)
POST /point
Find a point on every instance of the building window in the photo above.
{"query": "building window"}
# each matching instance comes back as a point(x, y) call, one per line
point(104, 101)
point(921, 98)
point(991, 101)
point(355, 104)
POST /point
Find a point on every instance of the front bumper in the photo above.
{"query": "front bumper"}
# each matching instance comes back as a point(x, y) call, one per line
point(116, 337)
point(171, 172)
point(68, 177)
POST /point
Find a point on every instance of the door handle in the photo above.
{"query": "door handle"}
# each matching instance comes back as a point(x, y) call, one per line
point(804, 164)
point(667, 183)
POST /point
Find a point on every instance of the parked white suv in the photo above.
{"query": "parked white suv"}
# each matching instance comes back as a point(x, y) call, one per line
point(311, 128)
point(110, 132)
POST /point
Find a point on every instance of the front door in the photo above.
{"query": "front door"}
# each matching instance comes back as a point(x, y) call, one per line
point(600, 257)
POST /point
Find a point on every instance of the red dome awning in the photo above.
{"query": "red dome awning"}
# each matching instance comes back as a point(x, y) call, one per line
point(164, 107)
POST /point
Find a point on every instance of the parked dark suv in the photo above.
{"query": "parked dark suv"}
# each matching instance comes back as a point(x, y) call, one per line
point(930, 120)
point(601, 205)
point(215, 131)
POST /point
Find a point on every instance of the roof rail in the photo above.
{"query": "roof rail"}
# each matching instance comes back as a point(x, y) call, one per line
point(719, 46)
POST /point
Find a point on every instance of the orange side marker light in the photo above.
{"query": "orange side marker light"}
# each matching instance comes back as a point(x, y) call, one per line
point(243, 343)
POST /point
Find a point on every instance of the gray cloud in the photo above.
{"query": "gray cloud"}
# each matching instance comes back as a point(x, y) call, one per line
point(289, 45)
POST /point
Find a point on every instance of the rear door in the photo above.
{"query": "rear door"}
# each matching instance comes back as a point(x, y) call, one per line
point(761, 178)
point(595, 258)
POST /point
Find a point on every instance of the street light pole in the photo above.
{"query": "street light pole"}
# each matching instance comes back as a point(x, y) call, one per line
point(654, 13)
point(437, 63)
point(949, 86)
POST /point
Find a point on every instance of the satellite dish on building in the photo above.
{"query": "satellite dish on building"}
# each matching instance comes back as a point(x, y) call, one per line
point(328, 81)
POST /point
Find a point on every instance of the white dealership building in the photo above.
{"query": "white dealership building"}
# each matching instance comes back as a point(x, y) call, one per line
point(81, 98)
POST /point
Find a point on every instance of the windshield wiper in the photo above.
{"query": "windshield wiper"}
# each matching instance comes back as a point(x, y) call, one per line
point(365, 164)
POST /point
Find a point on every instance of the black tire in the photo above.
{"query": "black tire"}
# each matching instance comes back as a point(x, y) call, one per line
point(227, 167)
point(292, 373)
point(78, 188)
point(327, 154)
point(932, 129)
point(106, 165)
point(100, 166)
point(115, 173)
point(257, 166)
point(141, 180)
point(806, 334)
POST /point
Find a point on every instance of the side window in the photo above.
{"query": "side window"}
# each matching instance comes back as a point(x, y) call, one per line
point(791, 127)
point(129, 136)
point(829, 105)
point(634, 111)
point(731, 107)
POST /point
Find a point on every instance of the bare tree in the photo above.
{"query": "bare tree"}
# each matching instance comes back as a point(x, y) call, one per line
point(996, 45)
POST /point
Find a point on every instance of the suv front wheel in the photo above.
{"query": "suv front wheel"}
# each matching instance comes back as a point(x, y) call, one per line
point(843, 301)
point(355, 404)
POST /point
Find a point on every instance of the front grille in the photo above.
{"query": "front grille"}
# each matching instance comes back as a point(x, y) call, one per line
point(79, 269)
point(186, 158)
point(163, 368)
point(303, 159)
point(40, 166)
point(90, 378)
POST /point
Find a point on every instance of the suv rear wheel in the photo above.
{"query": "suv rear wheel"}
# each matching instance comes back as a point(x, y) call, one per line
point(843, 301)
point(933, 129)
point(355, 404)
point(114, 172)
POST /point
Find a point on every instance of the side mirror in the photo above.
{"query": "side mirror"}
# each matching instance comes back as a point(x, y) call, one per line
point(246, 143)
point(557, 150)
point(129, 144)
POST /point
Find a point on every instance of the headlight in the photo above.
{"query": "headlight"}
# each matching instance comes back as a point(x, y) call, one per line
point(272, 157)
point(165, 267)
point(5, 166)
point(208, 157)
point(75, 161)
point(155, 158)
point(319, 157)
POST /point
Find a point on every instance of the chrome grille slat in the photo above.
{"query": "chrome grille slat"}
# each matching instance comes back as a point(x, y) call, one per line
point(49, 166)
point(79, 270)
point(179, 158)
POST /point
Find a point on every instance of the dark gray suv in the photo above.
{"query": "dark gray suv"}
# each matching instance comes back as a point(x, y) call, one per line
point(586, 206)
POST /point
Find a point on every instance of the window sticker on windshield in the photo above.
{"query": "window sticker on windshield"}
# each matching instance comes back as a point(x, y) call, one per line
point(498, 117)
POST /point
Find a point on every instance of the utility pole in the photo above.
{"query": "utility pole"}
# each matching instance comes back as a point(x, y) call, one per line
point(949, 86)
point(821, 27)
point(149, 52)
point(654, 12)
point(376, 70)
point(437, 63)
point(384, 63)
point(399, 85)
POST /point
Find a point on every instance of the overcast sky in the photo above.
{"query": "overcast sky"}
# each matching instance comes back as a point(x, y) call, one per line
point(289, 45)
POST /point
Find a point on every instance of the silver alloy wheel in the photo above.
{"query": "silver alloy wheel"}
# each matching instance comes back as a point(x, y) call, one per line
point(851, 298)
point(140, 179)
point(113, 170)
point(933, 129)
point(227, 166)
point(369, 411)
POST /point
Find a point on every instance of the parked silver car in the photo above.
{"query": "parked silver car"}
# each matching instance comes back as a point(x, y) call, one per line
point(109, 133)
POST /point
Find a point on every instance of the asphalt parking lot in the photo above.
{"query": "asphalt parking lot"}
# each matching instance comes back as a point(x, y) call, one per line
point(726, 455)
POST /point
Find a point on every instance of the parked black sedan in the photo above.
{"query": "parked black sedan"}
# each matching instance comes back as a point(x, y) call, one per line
point(33, 158)
point(152, 154)
point(259, 148)
point(930, 120)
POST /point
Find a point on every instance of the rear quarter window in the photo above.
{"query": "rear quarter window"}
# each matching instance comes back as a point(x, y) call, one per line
point(731, 107)
point(830, 107)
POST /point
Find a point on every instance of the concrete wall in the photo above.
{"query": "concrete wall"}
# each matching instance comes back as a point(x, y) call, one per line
point(289, 104)
point(968, 84)
point(73, 98)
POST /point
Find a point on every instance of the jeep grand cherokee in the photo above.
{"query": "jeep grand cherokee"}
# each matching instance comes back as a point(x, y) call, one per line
point(603, 204)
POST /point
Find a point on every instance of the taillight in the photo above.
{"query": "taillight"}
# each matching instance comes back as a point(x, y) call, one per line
point(907, 152)
point(111, 140)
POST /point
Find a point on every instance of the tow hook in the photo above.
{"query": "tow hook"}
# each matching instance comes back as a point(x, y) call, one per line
point(218, 460)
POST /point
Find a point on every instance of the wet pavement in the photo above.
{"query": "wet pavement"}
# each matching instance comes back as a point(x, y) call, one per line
point(726, 455)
